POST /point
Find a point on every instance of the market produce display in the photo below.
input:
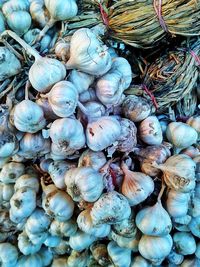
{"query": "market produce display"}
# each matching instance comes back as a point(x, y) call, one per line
point(99, 133)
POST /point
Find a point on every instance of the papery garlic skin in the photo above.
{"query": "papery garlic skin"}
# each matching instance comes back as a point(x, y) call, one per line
point(110, 208)
point(84, 183)
point(154, 220)
point(63, 98)
point(10, 65)
point(184, 243)
point(120, 256)
point(102, 132)
point(80, 240)
point(150, 131)
point(28, 117)
point(88, 54)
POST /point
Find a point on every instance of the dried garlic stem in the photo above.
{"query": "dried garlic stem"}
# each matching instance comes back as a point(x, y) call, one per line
point(161, 192)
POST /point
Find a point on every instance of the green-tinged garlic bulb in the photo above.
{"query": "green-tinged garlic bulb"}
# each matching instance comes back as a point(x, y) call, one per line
point(11, 172)
point(38, 12)
point(175, 258)
point(93, 159)
point(44, 72)
point(37, 222)
point(2, 22)
point(110, 87)
point(150, 131)
point(30, 260)
point(154, 220)
point(57, 170)
point(27, 180)
point(63, 229)
point(59, 262)
point(85, 224)
point(136, 186)
point(17, 15)
point(121, 257)
point(67, 134)
point(184, 243)
point(139, 261)
point(136, 108)
point(25, 246)
point(8, 254)
point(177, 203)
point(181, 135)
point(110, 208)
point(88, 54)
point(100, 254)
point(9, 64)
point(81, 80)
point(194, 122)
point(192, 262)
point(29, 117)
point(154, 248)
point(80, 240)
point(179, 172)
point(127, 242)
point(194, 226)
point(102, 132)
point(76, 258)
point(22, 204)
point(34, 146)
point(57, 204)
point(84, 183)
point(63, 98)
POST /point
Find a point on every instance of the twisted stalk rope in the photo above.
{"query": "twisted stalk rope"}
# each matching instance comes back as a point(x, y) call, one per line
point(135, 22)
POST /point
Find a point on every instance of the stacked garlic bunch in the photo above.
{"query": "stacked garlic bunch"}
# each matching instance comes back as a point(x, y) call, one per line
point(89, 176)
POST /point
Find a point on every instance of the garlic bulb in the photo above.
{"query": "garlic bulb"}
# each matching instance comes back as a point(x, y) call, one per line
point(63, 98)
point(193, 262)
point(181, 135)
point(38, 12)
point(54, 242)
point(57, 171)
point(27, 180)
point(194, 122)
point(155, 248)
point(38, 238)
point(47, 109)
point(88, 54)
point(29, 117)
point(68, 135)
point(179, 172)
point(100, 254)
point(46, 256)
point(85, 224)
point(26, 246)
point(2, 23)
point(8, 143)
point(102, 132)
point(8, 254)
point(9, 63)
point(191, 151)
point(184, 243)
point(150, 155)
point(17, 15)
point(93, 159)
point(63, 229)
point(59, 262)
point(177, 203)
point(110, 208)
point(11, 172)
point(154, 221)
point(139, 261)
point(62, 51)
point(76, 258)
point(57, 203)
point(89, 95)
point(34, 146)
point(80, 241)
point(6, 192)
point(127, 242)
point(84, 183)
point(22, 204)
point(175, 258)
point(30, 260)
point(136, 186)
point(121, 257)
point(136, 108)
point(150, 131)
point(194, 226)
point(91, 109)
point(81, 80)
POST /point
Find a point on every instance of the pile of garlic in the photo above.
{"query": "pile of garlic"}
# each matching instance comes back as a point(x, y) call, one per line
point(88, 175)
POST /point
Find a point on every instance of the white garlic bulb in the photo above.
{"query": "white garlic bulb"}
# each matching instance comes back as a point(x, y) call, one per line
point(63, 229)
point(93, 159)
point(194, 226)
point(47, 109)
point(38, 12)
point(9, 64)
point(28, 180)
point(26, 246)
point(150, 131)
point(80, 240)
point(102, 132)
point(76, 258)
point(6, 192)
point(17, 15)
point(89, 95)
point(8, 254)
point(175, 258)
point(63, 98)
point(62, 51)
point(181, 135)
point(81, 80)
point(139, 261)
point(88, 54)
point(127, 242)
point(121, 257)
point(136, 186)
point(28, 117)
point(184, 243)
point(110, 208)
point(126, 227)
point(194, 122)
point(11, 171)
point(84, 183)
